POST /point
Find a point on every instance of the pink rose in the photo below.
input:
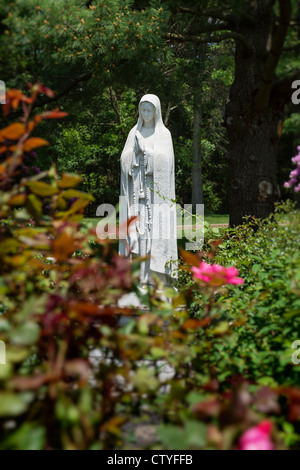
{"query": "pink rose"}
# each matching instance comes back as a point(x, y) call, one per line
point(216, 275)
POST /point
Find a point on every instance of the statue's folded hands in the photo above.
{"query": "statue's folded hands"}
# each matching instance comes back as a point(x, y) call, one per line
point(140, 142)
point(148, 186)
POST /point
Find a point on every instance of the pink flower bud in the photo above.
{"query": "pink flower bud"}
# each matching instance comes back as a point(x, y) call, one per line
point(257, 437)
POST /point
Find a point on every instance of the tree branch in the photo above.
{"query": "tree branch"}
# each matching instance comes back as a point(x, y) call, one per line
point(270, 4)
point(211, 28)
point(291, 48)
point(291, 23)
point(115, 105)
point(282, 88)
point(82, 78)
point(230, 17)
point(264, 92)
point(41, 102)
point(208, 13)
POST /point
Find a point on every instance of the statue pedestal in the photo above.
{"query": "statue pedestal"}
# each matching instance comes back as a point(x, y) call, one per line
point(132, 300)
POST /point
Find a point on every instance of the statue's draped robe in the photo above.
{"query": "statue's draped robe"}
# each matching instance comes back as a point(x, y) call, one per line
point(158, 237)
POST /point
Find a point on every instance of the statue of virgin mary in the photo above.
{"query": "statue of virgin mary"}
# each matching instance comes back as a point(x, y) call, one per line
point(148, 193)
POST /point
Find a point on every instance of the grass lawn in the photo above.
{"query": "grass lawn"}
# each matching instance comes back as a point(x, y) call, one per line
point(217, 219)
point(211, 219)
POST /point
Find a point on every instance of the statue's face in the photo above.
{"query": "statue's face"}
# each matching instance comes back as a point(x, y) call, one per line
point(147, 111)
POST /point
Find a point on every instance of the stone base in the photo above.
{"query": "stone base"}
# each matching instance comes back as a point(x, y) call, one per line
point(130, 300)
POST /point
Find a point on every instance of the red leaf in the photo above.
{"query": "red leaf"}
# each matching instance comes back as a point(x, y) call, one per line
point(192, 323)
point(63, 247)
point(13, 131)
point(190, 258)
point(56, 113)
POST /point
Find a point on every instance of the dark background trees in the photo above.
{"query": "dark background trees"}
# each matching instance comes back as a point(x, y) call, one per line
point(223, 71)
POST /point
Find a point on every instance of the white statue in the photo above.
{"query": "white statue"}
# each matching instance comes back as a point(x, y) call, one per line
point(148, 184)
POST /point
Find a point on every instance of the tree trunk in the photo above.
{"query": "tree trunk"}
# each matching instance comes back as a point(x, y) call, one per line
point(197, 190)
point(252, 132)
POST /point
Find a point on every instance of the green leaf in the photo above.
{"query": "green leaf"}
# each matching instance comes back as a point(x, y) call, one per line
point(30, 436)
point(267, 381)
point(221, 328)
point(16, 354)
point(144, 380)
point(256, 268)
point(10, 245)
point(42, 189)
point(35, 203)
point(4, 325)
point(191, 436)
